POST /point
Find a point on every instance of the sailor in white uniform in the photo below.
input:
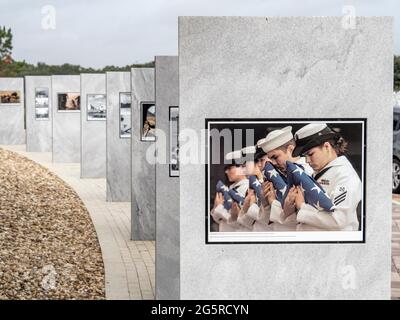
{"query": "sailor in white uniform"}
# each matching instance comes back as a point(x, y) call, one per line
point(227, 220)
point(324, 150)
point(254, 216)
point(279, 145)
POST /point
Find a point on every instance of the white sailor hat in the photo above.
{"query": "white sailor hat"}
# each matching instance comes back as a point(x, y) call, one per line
point(260, 142)
point(312, 135)
point(249, 153)
point(252, 153)
point(276, 139)
point(234, 158)
point(246, 151)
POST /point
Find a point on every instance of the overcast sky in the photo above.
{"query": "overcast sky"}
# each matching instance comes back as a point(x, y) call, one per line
point(96, 33)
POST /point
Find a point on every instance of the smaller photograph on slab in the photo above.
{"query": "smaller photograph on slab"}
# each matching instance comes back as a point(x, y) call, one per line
point(10, 97)
point(69, 102)
point(174, 141)
point(42, 104)
point(96, 107)
point(148, 121)
point(125, 126)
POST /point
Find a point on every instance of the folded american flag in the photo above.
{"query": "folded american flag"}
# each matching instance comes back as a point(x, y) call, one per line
point(221, 187)
point(236, 197)
point(271, 174)
point(255, 184)
point(313, 193)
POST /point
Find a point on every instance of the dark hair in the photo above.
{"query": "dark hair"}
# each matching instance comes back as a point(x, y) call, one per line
point(259, 154)
point(339, 145)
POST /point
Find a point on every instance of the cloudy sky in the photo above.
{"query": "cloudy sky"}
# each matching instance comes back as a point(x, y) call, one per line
point(96, 33)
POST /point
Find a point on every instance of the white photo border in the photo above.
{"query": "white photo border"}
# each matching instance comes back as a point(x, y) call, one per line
point(11, 103)
point(279, 237)
point(68, 111)
point(126, 136)
point(87, 106)
point(141, 106)
point(48, 104)
point(172, 173)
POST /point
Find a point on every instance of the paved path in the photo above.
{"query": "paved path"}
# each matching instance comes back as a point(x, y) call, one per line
point(396, 247)
point(129, 265)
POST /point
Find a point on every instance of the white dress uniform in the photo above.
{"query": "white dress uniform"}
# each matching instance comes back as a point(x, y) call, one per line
point(343, 186)
point(257, 216)
point(272, 141)
point(262, 223)
point(338, 179)
point(223, 216)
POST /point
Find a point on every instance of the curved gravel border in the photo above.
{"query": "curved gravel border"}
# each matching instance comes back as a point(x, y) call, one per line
point(48, 245)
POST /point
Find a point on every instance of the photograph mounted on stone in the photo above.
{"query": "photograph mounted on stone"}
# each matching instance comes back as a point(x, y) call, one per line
point(174, 141)
point(42, 104)
point(285, 180)
point(148, 121)
point(96, 107)
point(125, 123)
point(69, 102)
point(10, 97)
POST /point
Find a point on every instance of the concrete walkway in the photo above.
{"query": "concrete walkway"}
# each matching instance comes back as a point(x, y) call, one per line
point(129, 265)
point(396, 247)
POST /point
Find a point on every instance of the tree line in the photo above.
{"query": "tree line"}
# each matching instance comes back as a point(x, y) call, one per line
point(11, 68)
point(22, 68)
